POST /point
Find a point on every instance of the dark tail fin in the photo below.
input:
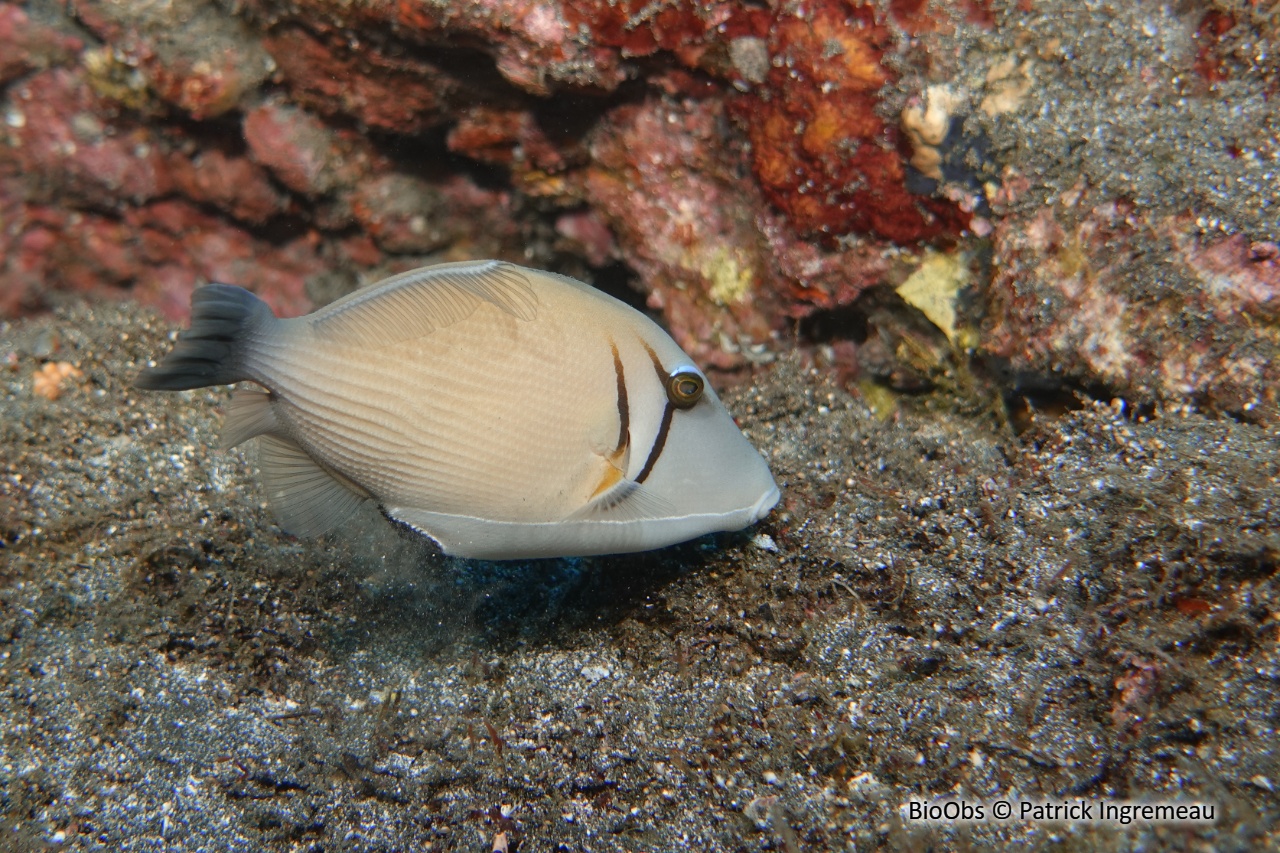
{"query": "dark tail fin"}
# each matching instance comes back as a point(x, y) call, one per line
point(224, 321)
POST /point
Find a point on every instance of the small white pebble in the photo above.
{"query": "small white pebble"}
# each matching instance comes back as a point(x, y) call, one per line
point(765, 542)
point(595, 673)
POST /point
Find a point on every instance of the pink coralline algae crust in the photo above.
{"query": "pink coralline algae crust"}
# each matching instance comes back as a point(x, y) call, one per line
point(690, 29)
point(351, 183)
point(302, 152)
point(204, 248)
point(233, 184)
point(1072, 295)
point(98, 159)
point(400, 95)
point(585, 233)
point(663, 184)
point(123, 214)
point(402, 214)
point(531, 45)
point(514, 139)
point(191, 54)
point(821, 152)
point(641, 28)
point(814, 278)
point(491, 135)
point(510, 137)
point(751, 171)
point(73, 140)
point(25, 46)
point(166, 249)
point(685, 224)
point(721, 265)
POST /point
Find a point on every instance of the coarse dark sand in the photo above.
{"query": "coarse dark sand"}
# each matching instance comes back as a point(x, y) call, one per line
point(940, 607)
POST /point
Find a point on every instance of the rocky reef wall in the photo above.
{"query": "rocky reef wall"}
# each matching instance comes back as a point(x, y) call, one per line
point(1086, 193)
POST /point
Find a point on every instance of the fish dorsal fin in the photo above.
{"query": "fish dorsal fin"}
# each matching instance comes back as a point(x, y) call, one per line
point(249, 414)
point(418, 302)
point(307, 499)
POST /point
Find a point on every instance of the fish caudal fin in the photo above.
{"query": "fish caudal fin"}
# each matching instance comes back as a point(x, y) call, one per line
point(224, 322)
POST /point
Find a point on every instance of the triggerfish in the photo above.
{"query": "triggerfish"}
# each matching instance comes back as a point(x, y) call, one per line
point(501, 411)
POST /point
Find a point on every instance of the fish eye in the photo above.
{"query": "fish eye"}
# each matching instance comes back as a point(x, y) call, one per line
point(684, 387)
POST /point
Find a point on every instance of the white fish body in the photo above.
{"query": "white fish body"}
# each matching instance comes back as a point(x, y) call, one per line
point(503, 412)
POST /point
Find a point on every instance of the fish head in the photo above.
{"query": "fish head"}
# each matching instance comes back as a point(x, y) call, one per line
point(699, 468)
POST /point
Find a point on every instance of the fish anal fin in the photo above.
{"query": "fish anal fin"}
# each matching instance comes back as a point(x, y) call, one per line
point(249, 414)
point(416, 303)
point(307, 499)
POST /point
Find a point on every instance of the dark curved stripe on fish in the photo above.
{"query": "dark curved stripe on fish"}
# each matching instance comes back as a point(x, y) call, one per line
point(667, 413)
point(656, 450)
point(624, 408)
point(657, 365)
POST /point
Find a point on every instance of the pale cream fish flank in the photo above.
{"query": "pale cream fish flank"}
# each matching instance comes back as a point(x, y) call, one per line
point(503, 412)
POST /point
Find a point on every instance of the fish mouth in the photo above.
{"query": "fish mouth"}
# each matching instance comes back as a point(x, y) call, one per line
point(767, 502)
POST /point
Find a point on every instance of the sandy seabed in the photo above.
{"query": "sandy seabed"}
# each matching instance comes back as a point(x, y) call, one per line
point(941, 607)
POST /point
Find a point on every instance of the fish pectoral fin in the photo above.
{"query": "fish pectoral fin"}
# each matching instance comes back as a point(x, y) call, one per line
point(307, 499)
point(620, 459)
point(612, 476)
point(418, 302)
point(622, 500)
point(248, 415)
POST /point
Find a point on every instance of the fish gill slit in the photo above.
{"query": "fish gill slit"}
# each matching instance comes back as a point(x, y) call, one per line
point(656, 450)
point(624, 407)
point(667, 412)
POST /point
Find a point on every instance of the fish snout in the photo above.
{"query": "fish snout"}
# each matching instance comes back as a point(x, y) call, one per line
point(766, 503)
